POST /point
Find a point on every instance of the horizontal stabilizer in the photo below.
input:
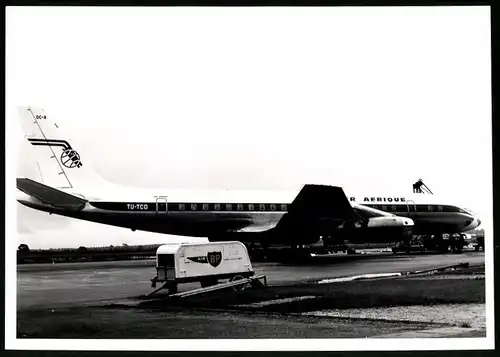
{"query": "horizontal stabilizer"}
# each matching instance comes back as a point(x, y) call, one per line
point(49, 195)
point(321, 201)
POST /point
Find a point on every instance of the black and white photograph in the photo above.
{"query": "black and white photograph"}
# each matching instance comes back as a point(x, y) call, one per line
point(249, 178)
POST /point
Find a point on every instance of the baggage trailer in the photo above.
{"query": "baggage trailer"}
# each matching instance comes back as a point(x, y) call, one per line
point(207, 263)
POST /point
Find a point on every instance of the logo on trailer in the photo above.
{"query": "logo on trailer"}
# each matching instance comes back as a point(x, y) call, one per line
point(214, 258)
point(202, 259)
point(69, 157)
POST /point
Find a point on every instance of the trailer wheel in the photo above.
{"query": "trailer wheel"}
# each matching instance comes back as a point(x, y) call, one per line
point(239, 287)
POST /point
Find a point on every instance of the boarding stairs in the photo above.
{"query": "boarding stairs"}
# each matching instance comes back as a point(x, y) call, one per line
point(421, 187)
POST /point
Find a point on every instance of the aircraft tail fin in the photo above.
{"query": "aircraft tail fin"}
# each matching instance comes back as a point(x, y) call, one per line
point(58, 160)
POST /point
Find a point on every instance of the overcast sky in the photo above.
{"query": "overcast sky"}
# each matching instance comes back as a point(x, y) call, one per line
point(257, 98)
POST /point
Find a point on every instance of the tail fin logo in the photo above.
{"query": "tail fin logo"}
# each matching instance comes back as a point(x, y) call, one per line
point(69, 157)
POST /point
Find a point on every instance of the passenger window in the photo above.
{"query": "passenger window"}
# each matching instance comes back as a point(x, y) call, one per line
point(194, 206)
point(430, 208)
point(182, 207)
point(262, 207)
point(384, 208)
point(217, 207)
point(440, 208)
point(240, 207)
point(273, 207)
point(205, 206)
point(251, 207)
point(229, 207)
point(394, 208)
point(283, 207)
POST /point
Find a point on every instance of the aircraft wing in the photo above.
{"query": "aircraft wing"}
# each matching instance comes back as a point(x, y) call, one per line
point(49, 195)
point(321, 201)
point(316, 208)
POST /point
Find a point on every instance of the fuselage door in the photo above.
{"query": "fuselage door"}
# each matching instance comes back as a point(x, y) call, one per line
point(161, 205)
point(412, 208)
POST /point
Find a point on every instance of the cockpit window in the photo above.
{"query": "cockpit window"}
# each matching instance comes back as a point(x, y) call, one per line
point(466, 211)
point(471, 212)
point(456, 210)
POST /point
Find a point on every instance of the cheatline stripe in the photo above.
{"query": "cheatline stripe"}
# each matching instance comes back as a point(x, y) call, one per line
point(177, 206)
point(50, 142)
point(73, 156)
point(229, 207)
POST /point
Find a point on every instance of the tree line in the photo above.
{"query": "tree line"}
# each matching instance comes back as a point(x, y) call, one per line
point(111, 248)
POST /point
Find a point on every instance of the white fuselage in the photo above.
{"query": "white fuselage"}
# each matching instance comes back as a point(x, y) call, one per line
point(210, 213)
point(316, 209)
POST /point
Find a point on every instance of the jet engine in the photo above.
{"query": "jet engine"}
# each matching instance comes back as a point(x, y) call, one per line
point(394, 221)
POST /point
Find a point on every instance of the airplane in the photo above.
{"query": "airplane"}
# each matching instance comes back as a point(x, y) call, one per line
point(69, 187)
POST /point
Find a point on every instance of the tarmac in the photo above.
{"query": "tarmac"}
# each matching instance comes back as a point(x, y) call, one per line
point(60, 286)
point(41, 285)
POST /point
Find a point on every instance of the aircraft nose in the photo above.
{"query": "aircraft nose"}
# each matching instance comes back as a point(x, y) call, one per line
point(473, 224)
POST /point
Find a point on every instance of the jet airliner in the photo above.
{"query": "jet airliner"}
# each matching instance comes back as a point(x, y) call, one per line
point(67, 186)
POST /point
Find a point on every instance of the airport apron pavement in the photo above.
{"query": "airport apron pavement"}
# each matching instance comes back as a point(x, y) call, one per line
point(49, 285)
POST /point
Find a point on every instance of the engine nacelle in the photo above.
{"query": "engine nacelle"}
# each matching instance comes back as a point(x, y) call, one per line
point(387, 222)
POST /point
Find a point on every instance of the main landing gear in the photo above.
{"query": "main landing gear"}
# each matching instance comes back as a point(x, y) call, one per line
point(331, 245)
point(258, 253)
